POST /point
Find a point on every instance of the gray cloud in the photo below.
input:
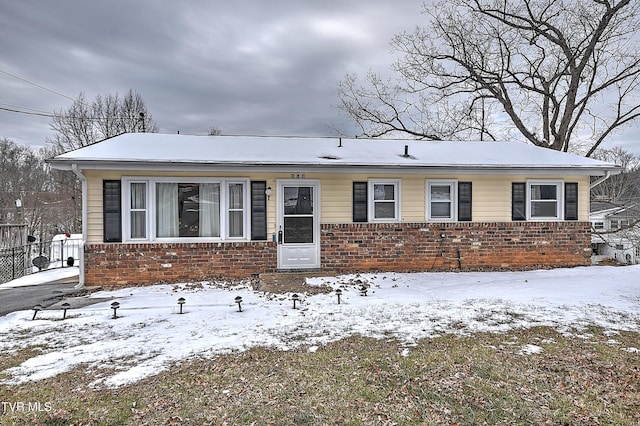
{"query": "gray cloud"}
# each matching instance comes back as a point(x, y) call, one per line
point(245, 67)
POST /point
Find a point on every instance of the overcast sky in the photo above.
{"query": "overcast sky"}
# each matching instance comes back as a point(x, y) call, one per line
point(245, 67)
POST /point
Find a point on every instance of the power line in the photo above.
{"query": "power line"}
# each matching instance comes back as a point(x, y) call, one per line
point(42, 114)
point(36, 85)
point(24, 108)
point(65, 117)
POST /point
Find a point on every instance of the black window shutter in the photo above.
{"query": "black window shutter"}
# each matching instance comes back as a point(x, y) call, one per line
point(112, 211)
point(360, 190)
point(518, 201)
point(571, 201)
point(464, 201)
point(258, 210)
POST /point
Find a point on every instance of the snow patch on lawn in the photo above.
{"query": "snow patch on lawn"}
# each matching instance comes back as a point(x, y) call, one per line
point(150, 335)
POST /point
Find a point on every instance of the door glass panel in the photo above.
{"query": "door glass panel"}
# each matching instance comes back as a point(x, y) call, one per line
point(298, 229)
point(298, 200)
point(298, 214)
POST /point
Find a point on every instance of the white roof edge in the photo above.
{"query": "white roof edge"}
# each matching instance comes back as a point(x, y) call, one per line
point(341, 168)
point(148, 150)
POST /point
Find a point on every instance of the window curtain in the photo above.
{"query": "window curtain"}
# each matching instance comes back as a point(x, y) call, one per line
point(167, 210)
point(209, 210)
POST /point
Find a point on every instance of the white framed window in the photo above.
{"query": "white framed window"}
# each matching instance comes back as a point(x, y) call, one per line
point(546, 199)
point(170, 209)
point(236, 202)
point(384, 200)
point(614, 224)
point(598, 226)
point(137, 219)
point(441, 200)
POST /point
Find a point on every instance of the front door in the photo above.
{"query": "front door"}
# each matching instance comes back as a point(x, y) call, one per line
point(298, 230)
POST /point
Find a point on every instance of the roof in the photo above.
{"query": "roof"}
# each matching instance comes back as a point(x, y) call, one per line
point(135, 151)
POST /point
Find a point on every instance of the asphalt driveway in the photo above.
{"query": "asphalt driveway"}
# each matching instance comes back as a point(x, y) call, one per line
point(26, 297)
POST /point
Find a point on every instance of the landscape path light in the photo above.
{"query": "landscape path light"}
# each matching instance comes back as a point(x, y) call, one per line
point(295, 299)
point(338, 293)
point(115, 306)
point(238, 300)
point(181, 302)
point(36, 309)
point(64, 307)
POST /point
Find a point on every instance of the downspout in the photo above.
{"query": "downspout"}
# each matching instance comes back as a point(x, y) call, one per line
point(606, 176)
point(76, 170)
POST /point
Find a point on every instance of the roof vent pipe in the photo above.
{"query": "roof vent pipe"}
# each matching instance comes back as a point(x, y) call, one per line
point(406, 151)
point(339, 142)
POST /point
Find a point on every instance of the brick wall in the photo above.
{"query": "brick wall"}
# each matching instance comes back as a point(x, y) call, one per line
point(131, 264)
point(353, 247)
point(453, 246)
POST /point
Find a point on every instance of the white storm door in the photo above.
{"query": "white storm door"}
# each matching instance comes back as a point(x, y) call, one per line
point(298, 224)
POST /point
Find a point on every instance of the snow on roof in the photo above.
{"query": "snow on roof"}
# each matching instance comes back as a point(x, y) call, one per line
point(134, 149)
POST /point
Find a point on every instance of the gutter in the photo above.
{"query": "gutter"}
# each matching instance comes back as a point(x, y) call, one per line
point(78, 172)
point(328, 167)
point(606, 176)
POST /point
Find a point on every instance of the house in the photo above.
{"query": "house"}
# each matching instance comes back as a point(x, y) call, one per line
point(166, 208)
point(616, 232)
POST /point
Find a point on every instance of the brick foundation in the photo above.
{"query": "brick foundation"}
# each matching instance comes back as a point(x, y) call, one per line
point(353, 247)
point(132, 264)
point(465, 246)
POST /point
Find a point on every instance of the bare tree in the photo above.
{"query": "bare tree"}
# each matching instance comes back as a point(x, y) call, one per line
point(85, 123)
point(619, 197)
point(623, 188)
point(24, 176)
point(214, 131)
point(546, 71)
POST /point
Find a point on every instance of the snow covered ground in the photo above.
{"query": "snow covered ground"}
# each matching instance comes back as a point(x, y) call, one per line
point(149, 334)
point(46, 276)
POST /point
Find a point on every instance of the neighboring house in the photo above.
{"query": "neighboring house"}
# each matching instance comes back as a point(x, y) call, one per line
point(160, 207)
point(616, 233)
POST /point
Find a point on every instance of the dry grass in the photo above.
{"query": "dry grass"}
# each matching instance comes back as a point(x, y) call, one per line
point(480, 379)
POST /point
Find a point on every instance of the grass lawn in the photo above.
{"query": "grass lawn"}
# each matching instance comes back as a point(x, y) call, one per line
point(478, 379)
